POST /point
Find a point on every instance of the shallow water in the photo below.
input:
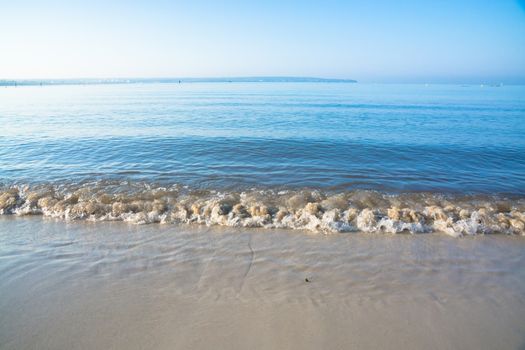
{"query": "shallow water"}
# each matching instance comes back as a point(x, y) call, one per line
point(226, 262)
point(329, 157)
point(114, 285)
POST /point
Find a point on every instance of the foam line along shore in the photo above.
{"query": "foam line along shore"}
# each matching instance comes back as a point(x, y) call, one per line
point(312, 210)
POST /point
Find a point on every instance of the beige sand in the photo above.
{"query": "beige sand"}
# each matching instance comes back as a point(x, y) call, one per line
point(118, 286)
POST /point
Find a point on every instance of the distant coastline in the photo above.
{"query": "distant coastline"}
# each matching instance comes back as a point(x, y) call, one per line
point(91, 81)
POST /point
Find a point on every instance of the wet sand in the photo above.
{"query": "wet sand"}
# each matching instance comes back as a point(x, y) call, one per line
point(78, 285)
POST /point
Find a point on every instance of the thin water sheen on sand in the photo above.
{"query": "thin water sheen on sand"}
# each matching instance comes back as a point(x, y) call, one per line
point(72, 285)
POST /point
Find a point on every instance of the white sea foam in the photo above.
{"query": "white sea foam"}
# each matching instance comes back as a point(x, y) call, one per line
point(311, 210)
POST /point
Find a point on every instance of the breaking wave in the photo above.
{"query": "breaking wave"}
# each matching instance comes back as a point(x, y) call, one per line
point(313, 210)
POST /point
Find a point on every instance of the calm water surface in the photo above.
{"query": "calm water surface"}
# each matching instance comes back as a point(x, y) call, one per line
point(393, 138)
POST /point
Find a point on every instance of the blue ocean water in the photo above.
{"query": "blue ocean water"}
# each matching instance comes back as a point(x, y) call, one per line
point(335, 136)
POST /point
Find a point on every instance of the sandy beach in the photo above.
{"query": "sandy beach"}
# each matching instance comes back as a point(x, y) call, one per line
point(79, 285)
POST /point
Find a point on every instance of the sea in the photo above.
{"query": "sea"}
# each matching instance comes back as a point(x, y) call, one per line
point(318, 156)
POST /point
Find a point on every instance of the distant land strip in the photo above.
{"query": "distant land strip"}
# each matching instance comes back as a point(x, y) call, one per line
point(32, 82)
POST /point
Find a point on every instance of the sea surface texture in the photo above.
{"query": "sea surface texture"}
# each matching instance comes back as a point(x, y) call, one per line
point(326, 157)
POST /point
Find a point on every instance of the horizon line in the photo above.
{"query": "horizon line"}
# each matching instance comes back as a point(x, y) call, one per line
point(246, 79)
point(170, 79)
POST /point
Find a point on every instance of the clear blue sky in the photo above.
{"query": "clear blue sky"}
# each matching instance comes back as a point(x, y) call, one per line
point(372, 41)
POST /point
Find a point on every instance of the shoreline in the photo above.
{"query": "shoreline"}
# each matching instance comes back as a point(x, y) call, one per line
point(310, 210)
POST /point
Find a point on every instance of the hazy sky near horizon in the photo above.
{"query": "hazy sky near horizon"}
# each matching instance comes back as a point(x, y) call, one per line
point(374, 41)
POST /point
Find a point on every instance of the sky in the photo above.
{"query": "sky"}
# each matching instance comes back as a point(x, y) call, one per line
point(371, 41)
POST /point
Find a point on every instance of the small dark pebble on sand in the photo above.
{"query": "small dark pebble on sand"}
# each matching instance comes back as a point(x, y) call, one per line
point(306, 280)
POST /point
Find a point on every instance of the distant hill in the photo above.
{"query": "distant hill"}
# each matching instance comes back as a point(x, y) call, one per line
point(25, 82)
